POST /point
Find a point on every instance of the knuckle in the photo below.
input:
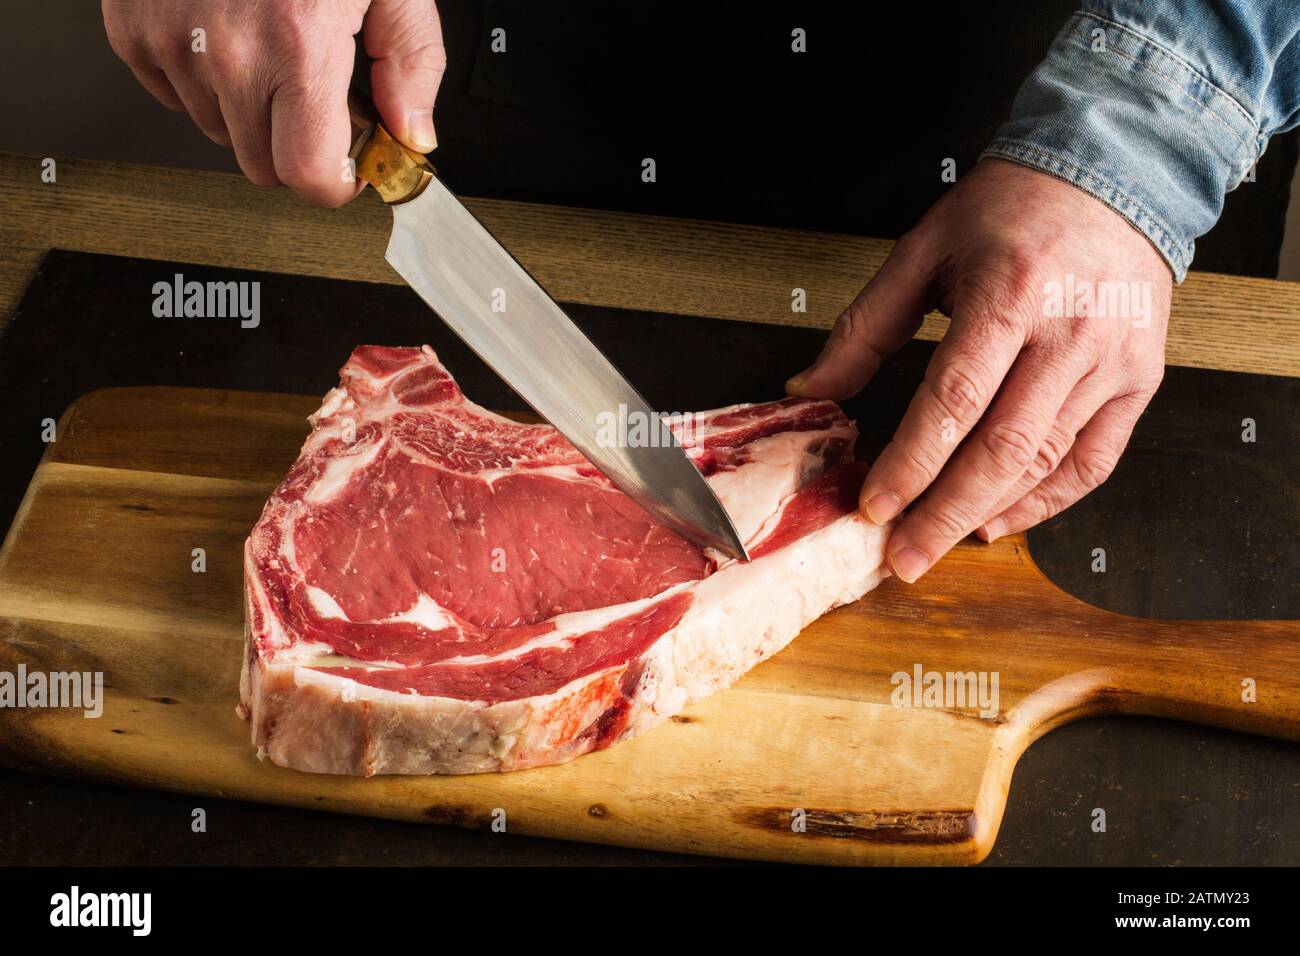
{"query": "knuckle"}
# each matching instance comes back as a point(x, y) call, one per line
point(1012, 320)
point(918, 465)
point(319, 199)
point(259, 174)
point(1050, 454)
point(1045, 501)
point(959, 393)
point(232, 56)
point(302, 173)
point(330, 200)
point(415, 41)
point(293, 42)
point(170, 58)
point(908, 246)
point(1011, 446)
point(1046, 504)
point(949, 521)
point(852, 322)
point(1092, 334)
point(1008, 289)
point(318, 192)
point(851, 332)
point(165, 48)
point(119, 40)
point(1148, 382)
point(292, 24)
point(906, 468)
point(425, 54)
point(207, 116)
point(120, 27)
point(298, 71)
point(1094, 465)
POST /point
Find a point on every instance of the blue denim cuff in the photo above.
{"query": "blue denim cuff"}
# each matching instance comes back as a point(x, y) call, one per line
point(1132, 123)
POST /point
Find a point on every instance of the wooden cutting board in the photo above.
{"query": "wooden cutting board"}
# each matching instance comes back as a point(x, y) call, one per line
point(806, 759)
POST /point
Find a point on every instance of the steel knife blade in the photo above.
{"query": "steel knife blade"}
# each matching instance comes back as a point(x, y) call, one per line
point(487, 298)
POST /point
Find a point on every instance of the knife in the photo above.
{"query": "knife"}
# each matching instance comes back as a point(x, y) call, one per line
point(487, 298)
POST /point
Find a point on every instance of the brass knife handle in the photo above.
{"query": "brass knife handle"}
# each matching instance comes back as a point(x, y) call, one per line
point(397, 173)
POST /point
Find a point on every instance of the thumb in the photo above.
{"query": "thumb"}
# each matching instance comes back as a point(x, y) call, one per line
point(882, 319)
point(404, 39)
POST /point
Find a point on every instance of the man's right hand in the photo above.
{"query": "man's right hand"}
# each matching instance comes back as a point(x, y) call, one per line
point(270, 78)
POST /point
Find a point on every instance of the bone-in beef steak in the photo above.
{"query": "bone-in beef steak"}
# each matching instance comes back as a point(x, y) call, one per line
point(436, 589)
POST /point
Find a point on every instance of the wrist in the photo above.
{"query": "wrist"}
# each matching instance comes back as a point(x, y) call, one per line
point(1135, 126)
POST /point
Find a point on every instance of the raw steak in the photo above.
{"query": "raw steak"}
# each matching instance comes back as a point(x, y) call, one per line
point(436, 589)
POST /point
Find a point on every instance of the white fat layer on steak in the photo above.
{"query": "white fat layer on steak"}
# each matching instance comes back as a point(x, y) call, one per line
point(755, 495)
point(288, 552)
point(427, 613)
point(337, 472)
point(324, 604)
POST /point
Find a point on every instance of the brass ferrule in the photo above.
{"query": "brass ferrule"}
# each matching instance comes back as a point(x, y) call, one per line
point(397, 173)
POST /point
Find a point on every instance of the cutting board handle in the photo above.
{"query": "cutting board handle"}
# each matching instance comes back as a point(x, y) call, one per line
point(1243, 675)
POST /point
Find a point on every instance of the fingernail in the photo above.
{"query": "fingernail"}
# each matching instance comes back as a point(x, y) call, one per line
point(993, 529)
point(419, 129)
point(793, 385)
point(883, 507)
point(909, 564)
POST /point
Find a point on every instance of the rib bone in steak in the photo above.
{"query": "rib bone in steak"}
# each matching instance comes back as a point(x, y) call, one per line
point(436, 589)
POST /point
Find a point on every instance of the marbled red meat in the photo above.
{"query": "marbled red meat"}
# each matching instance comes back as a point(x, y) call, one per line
point(434, 588)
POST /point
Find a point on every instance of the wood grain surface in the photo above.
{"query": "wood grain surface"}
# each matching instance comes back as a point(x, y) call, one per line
point(649, 263)
point(96, 575)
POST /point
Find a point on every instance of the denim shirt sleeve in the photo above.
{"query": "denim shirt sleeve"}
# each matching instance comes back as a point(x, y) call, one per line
point(1159, 109)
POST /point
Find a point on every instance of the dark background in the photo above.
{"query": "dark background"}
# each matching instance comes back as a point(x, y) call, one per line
point(846, 137)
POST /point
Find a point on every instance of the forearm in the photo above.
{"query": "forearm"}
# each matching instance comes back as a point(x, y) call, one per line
point(1160, 112)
